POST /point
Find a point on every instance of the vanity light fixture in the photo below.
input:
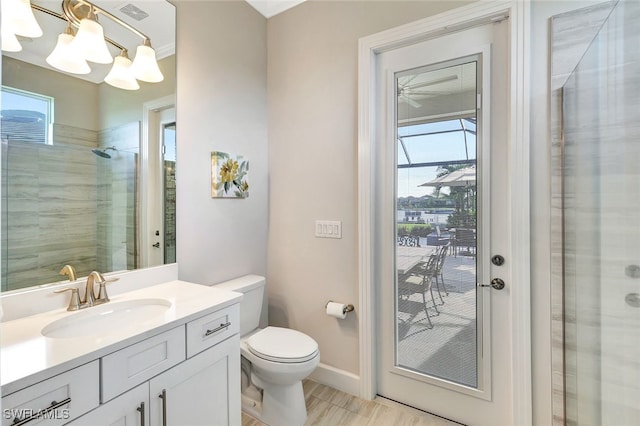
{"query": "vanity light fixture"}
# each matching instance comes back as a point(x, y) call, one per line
point(89, 43)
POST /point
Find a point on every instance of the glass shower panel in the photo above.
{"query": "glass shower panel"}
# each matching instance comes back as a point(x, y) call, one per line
point(601, 179)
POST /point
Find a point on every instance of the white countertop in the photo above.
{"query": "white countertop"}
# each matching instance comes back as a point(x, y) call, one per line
point(28, 357)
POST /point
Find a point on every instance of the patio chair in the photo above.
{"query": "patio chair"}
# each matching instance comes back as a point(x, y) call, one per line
point(418, 280)
point(441, 255)
point(464, 238)
point(442, 239)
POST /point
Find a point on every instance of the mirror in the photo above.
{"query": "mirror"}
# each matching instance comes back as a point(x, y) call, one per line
point(73, 185)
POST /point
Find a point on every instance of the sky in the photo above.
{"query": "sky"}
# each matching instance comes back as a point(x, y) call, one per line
point(424, 149)
point(11, 100)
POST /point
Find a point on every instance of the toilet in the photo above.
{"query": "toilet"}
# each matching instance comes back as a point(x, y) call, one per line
point(275, 360)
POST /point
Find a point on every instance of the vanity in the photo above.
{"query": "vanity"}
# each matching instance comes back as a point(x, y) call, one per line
point(167, 354)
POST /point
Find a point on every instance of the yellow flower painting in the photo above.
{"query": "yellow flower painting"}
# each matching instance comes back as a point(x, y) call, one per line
point(229, 176)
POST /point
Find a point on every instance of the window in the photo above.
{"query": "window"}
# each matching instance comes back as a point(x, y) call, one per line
point(26, 116)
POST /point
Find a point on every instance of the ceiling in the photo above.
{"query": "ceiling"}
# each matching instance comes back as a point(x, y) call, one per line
point(270, 8)
point(427, 95)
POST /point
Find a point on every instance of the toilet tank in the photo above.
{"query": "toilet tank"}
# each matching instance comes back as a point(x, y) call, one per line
point(252, 289)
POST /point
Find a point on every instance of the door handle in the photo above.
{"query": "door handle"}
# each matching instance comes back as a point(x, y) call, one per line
point(141, 411)
point(163, 397)
point(496, 283)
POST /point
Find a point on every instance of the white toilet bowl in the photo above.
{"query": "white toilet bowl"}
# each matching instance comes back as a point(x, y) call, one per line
point(280, 359)
point(274, 360)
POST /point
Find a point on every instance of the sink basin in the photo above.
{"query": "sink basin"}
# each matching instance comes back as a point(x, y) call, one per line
point(107, 318)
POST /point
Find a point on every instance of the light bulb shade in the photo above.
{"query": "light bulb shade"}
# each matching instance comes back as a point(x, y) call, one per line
point(89, 41)
point(22, 19)
point(65, 58)
point(10, 42)
point(145, 67)
point(120, 75)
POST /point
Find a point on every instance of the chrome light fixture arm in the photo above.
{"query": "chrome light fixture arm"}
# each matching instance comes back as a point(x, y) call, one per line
point(70, 9)
point(69, 20)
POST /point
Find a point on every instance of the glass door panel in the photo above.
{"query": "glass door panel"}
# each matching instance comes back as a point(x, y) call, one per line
point(437, 304)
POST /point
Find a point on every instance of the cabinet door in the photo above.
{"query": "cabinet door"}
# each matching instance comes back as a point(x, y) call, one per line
point(202, 391)
point(129, 409)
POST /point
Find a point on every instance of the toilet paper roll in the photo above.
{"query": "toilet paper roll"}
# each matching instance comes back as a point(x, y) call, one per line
point(337, 310)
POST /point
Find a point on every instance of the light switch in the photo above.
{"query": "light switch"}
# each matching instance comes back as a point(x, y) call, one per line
point(328, 229)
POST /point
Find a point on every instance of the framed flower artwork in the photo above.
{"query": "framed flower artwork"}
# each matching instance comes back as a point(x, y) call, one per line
point(229, 176)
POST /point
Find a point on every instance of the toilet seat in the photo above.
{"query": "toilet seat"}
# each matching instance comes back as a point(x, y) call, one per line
point(282, 345)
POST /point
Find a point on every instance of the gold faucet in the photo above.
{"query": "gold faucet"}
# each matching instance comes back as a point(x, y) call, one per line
point(70, 271)
point(90, 298)
point(89, 294)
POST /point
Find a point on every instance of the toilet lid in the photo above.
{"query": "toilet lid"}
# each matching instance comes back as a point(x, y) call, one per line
point(282, 345)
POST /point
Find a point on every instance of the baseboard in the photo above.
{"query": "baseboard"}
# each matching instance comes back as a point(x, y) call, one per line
point(337, 379)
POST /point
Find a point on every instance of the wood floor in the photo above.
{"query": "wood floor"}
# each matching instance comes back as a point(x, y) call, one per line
point(330, 407)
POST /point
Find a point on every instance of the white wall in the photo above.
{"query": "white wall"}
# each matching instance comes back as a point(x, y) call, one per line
point(221, 106)
point(312, 70)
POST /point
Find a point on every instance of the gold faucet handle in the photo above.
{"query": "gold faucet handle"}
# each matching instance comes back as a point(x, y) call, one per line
point(103, 297)
point(74, 303)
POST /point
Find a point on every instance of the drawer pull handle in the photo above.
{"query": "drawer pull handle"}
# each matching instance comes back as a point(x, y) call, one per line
point(215, 330)
point(141, 410)
point(54, 405)
point(163, 397)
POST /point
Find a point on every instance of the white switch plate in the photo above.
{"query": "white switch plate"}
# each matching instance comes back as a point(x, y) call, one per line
point(328, 229)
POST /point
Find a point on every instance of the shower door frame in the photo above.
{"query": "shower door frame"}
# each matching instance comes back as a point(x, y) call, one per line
point(518, 122)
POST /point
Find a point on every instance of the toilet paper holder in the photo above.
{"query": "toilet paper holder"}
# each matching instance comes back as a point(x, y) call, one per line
point(347, 308)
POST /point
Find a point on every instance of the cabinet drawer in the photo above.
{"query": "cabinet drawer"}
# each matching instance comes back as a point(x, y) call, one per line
point(55, 401)
point(208, 330)
point(137, 363)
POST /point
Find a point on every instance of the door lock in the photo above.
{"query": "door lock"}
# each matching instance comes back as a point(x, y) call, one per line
point(497, 260)
point(496, 283)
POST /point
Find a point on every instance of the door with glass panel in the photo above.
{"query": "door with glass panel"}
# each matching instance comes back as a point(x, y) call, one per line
point(444, 344)
point(162, 183)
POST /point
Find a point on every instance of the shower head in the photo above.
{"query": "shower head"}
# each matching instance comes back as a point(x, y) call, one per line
point(103, 152)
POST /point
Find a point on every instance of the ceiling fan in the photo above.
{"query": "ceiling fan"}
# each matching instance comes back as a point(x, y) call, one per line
point(406, 90)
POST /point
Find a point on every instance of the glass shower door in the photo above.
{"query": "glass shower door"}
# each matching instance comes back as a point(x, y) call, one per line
point(601, 178)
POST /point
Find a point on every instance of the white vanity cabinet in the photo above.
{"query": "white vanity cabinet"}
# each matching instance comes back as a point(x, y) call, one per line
point(188, 375)
point(205, 390)
point(202, 391)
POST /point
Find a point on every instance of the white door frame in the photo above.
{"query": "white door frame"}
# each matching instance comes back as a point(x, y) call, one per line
point(149, 109)
point(518, 171)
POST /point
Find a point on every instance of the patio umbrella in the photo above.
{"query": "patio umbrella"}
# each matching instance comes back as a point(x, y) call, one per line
point(461, 177)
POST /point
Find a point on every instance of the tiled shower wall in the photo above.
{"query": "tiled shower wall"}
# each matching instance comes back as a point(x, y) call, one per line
point(66, 205)
point(50, 218)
